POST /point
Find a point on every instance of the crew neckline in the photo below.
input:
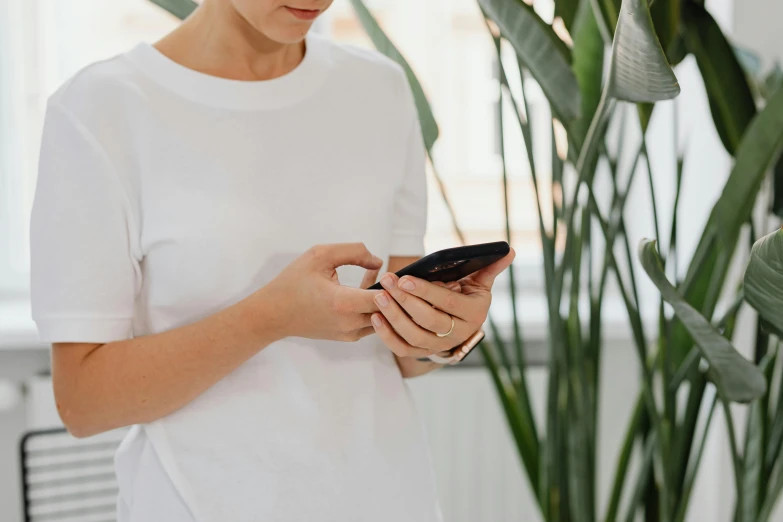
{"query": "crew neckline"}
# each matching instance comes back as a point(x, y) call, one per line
point(296, 85)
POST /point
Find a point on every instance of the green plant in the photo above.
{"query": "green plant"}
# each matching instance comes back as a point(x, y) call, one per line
point(758, 468)
point(560, 459)
point(692, 355)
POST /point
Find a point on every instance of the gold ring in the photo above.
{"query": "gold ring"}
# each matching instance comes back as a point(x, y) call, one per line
point(450, 329)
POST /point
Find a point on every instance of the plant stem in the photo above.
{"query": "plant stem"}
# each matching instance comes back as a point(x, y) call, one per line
point(520, 431)
point(586, 156)
point(636, 326)
point(642, 479)
point(623, 461)
point(693, 466)
point(736, 459)
point(669, 403)
point(518, 342)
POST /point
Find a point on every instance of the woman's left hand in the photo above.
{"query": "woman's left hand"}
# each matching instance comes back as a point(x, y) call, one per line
point(414, 311)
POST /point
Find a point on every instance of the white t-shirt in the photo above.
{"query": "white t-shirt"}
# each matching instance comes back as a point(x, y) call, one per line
point(165, 195)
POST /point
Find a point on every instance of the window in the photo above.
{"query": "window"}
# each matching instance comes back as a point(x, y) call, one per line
point(42, 43)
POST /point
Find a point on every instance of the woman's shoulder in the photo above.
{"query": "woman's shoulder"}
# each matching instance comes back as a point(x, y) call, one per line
point(98, 85)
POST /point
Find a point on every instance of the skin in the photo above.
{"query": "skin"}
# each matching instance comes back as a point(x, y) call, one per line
point(99, 387)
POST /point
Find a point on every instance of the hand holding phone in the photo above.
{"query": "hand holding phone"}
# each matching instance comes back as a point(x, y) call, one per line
point(418, 318)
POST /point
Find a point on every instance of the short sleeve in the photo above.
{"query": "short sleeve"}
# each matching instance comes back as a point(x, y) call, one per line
point(410, 202)
point(84, 277)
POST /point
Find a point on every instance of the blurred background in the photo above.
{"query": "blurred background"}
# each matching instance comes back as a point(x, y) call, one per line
point(44, 42)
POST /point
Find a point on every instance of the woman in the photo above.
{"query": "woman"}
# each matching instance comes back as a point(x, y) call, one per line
point(196, 202)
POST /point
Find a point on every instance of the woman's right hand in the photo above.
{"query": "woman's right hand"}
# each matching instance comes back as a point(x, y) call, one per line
point(309, 301)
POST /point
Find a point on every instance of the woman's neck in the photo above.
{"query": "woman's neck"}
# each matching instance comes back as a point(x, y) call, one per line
point(216, 40)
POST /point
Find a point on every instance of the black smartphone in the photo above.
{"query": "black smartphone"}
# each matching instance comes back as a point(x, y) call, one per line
point(452, 264)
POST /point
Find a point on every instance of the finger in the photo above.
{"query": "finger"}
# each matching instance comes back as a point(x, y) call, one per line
point(339, 254)
point(393, 341)
point(355, 300)
point(486, 276)
point(370, 276)
point(455, 304)
point(420, 311)
point(411, 332)
point(364, 332)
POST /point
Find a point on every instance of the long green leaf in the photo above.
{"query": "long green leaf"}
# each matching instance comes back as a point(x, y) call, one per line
point(606, 12)
point(775, 439)
point(760, 147)
point(579, 472)
point(179, 8)
point(684, 436)
point(777, 189)
point(621, 471)
point(566, 10)
point(588, 67)
point(541, 50)
point(585, 172)
point(429, 127)
point(645, 111)
point(730, 97)
point(753, 460)
point(693, 465)
point(774, 488)
point(639, 70)
point(677, 51)
point(552, 469)
point(522, 387)
point(642, 478)
point(521, 433)
point(666, 19)
point(691, 361)
point(736, 379)
point(764, 279)
point(736, 458)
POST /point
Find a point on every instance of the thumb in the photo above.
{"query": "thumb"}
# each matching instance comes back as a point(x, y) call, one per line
point(486, 276)
point(339, 254)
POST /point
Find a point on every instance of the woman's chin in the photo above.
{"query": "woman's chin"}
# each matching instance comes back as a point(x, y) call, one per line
point(289, 33)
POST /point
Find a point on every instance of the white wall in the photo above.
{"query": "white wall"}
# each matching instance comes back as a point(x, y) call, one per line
point(757, 27)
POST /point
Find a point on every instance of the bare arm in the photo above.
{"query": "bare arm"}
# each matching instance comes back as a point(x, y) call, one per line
point(99, 387)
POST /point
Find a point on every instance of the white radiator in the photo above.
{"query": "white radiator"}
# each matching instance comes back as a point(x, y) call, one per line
point(478, 470)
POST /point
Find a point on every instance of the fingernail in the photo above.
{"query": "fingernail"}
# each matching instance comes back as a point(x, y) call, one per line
point(376, 321)
point(387, 281)
point(381, 300)
point(407, 284)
